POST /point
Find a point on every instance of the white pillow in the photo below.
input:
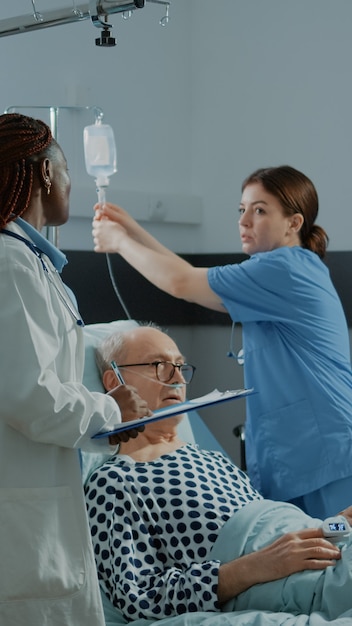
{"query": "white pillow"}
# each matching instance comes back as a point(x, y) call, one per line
point(94, 334)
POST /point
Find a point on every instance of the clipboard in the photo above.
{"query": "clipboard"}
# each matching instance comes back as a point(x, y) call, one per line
point(214, 397)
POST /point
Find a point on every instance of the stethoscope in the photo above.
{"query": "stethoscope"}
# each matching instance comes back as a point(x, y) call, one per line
point(237, 355)
point(39, 254)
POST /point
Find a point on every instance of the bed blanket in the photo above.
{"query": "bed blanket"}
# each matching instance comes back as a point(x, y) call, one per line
point(328, 591)
point(309, 598)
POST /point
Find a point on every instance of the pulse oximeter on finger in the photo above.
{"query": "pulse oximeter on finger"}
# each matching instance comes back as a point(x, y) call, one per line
point(336, 529)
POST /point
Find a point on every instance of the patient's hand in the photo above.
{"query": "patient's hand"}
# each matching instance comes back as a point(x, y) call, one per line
point(291, 553)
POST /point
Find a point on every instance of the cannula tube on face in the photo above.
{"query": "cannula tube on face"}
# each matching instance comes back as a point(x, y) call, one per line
point(155, 380)
point(117, 373)
point(152, 380)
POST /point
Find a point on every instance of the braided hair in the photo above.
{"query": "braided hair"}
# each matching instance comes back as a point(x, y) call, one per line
point(21, 138)
point(296, 194)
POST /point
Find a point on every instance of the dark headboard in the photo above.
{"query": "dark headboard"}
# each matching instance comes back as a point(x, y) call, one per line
point(88, 276)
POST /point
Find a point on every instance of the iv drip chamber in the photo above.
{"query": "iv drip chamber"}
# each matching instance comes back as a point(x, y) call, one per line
point(100, 152)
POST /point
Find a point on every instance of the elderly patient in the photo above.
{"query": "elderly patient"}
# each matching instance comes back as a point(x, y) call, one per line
point(157, 508)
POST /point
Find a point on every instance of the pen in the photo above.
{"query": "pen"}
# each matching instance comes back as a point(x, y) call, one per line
point(117, 373)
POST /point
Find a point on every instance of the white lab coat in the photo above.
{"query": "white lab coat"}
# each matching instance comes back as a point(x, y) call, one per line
point(47, 568)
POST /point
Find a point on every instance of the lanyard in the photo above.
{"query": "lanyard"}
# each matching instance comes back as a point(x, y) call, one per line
point(38, 253)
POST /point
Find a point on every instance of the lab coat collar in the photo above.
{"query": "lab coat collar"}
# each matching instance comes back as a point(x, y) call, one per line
point(55, 255)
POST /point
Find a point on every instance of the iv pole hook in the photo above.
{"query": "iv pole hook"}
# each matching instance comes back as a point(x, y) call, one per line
point(97, 16)
point(100, 8)
point(37, 16)
point(100, 20)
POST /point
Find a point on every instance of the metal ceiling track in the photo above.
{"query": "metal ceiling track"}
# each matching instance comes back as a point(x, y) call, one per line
point(96, 10)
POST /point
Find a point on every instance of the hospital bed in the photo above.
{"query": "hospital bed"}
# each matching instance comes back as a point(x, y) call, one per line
point(192, 429)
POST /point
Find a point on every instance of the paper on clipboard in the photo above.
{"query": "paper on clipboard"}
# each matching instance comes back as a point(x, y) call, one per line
point(214, 397)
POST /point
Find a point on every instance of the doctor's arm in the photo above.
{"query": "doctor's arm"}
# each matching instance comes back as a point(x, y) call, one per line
point(41, 394)
point(116, 231)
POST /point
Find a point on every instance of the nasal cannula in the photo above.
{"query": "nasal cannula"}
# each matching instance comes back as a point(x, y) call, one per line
point(117, 373)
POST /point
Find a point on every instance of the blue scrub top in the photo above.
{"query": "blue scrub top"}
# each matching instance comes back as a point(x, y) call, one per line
point(297, 357)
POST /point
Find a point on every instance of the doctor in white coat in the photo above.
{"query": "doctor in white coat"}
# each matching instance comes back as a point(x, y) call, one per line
point(47, 565)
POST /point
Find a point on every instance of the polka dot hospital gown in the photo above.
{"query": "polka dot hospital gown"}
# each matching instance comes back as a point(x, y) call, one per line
point(153, 526)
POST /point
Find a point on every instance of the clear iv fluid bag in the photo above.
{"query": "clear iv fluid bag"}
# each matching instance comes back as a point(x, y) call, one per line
point(100, 152)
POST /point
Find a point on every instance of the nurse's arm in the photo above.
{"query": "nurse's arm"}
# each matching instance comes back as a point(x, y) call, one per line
point(171, 274)
point(162, 267)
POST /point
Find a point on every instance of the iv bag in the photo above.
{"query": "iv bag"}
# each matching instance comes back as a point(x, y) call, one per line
point(100, 152)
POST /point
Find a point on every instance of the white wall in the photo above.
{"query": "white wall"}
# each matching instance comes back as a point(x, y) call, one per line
point(271, 85)
point(227, 87)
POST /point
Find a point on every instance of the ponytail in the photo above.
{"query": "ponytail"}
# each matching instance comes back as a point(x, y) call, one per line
point(316, 240)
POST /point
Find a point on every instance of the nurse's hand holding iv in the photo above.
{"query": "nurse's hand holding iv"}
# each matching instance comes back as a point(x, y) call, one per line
point(112, 225)
point(107, 234)
point(118, 223)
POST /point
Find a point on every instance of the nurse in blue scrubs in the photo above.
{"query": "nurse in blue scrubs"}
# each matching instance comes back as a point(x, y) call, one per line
point(295, 335)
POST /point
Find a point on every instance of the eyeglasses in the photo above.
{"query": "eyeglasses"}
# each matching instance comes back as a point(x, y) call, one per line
point(165, 370)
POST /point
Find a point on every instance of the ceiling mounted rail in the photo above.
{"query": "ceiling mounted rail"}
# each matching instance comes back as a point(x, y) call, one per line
point(97, 10)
